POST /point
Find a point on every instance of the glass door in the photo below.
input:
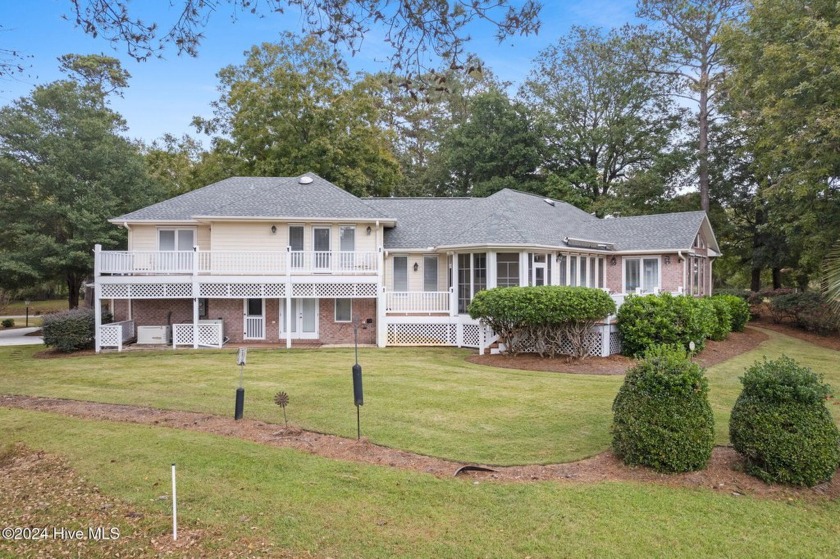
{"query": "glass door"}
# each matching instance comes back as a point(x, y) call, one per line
point(321, 244)
point(304, 319)
point(296, 245)
point(538, 271)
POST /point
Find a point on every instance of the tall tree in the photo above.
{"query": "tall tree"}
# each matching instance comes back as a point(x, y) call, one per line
point(65, 168)
point(96, 70)
point(684, 41)
point(783, 88)
point(415, 31)
point(290, 109)
point(497, 147)
point(604, 122)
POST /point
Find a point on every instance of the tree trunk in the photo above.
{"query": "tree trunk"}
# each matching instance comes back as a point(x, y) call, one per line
point(703, 147)
point(777, 278)
point(74, 284)
point(755, 279)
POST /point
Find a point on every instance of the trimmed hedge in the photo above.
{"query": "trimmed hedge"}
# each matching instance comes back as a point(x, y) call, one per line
point(739, 310)
point(544, 318)
point(661, 415)
point(722, 325)
point(808, 310)
point(781, 426)
point(71, 331)
point(665, 319)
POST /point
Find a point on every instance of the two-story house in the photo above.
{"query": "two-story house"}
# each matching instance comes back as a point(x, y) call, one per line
point(296, 258)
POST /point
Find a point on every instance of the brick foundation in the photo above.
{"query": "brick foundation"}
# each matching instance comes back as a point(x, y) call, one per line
point(232, 311)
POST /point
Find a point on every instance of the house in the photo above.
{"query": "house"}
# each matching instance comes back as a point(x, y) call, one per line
point(289, 259)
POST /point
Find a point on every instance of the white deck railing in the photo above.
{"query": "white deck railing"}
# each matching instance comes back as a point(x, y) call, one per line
point(417, 301)
point(237, 263)
point(116, 334)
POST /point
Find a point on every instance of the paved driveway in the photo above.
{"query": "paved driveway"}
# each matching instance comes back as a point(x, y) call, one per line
point(18, 336)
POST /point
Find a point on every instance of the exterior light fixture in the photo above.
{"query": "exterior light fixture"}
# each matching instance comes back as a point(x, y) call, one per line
point(667, 259)
point(368, 230)
point(612, 261)
point(273, 229)
point(416, 266)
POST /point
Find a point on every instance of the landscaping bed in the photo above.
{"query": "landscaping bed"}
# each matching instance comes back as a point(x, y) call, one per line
point(714, 353)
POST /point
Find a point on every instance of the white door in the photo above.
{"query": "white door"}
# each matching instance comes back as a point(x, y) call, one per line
point(254, 319)
point(321, 244)
point(304, 319)
point(538, 270)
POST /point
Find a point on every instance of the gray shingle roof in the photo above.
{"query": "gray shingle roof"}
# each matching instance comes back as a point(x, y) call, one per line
point(260, 197)
point(509, 217)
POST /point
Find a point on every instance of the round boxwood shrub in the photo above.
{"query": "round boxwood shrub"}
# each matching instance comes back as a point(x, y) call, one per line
point(663, 319)
point(739, 310)
point(661, 415)
point(722, 324)
point(70, 331)
point(781, 426)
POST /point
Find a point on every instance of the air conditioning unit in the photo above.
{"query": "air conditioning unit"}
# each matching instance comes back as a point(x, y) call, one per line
point(153, 335)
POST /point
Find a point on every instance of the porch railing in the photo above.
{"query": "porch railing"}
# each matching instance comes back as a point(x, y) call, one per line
point(417, 301)
point(116, 334)
point(237, 262)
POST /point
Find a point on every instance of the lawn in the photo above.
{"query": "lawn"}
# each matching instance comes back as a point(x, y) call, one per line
point(304, 504)
point(40, 307)
point(429, 401)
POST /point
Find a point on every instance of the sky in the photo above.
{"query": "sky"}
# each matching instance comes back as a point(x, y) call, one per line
point(165, 94)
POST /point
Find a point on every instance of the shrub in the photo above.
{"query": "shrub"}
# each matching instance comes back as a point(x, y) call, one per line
point(661, 415)
point(70, 331)
point(781, 426)
point(743, 294)
point(664, 320)
point(8, 323)
point(544, 318)
point(808, 310)
point(739, 311)
point(722, 324)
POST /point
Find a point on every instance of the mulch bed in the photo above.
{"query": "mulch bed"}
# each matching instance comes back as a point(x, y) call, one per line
point(714, 352)
point(723, 474)
point(828, 342)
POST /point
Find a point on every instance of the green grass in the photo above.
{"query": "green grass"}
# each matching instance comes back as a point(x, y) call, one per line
point(429, 401)
point(42, 307)
point(306, 504)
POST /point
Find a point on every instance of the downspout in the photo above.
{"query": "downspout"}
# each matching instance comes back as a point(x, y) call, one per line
point(685, 265)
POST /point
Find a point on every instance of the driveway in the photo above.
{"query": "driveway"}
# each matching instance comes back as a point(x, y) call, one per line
point(18, 336)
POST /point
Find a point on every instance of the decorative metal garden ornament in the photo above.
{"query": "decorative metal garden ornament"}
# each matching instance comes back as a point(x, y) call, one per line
point(282, 400)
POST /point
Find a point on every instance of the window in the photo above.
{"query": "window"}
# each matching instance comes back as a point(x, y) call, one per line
point(583, 271)
point(430, 273)
point(601, 272)
point(344, 310)
point(561, 269)
point(593, 273)
point(479, 272)
point(573, 270)
point(507, 269)
point(176, 239)
point(400, 273)
point(641, 273)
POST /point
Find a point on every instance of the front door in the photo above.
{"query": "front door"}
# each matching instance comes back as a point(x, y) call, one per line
point(304, 319)
point(254, 319)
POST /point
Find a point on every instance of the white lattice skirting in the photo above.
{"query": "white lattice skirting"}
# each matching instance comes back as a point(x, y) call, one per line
point(237, 290)
point(116, 334)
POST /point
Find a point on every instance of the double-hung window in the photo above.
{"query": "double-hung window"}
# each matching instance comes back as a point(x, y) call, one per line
point(641, 274)
point(176, 247)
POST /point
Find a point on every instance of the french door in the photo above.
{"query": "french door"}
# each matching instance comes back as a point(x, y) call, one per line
point(304, 319)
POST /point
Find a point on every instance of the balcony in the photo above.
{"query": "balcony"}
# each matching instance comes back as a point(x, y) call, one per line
point(143, 263)
point(417, 302)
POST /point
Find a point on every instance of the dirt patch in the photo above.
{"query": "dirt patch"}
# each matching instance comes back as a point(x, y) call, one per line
point(714, 353)
point(724, 474)
point(41, 492)
point(56, 354)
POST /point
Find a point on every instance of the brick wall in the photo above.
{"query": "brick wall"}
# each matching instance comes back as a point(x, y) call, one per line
point(614, 274)
point(153, 312)
point(672, 274)
point(332, 332)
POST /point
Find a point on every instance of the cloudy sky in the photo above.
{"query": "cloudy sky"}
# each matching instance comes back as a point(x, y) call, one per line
point(164, 94)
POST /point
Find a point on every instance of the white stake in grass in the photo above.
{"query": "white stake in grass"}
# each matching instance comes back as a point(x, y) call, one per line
point(174, 507)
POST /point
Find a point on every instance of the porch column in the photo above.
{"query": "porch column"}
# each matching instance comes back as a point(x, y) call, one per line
point(453, 292)
point(524, 280)
point(288, 317)
point(492, 280)
point(97, 298)
point(381, 326)
point(195, 297)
